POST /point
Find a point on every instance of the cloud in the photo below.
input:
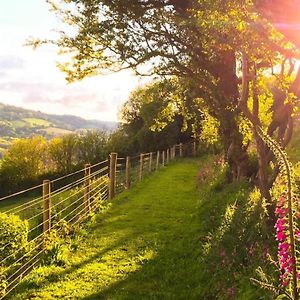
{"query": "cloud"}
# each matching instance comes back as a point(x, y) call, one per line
point(31, 80)
point(73, 98)
point(102, 106)
point(67, 100)
point(35, 97)
point(64, 95)
point(11, 62)
point(10, 85)
point(37, 87)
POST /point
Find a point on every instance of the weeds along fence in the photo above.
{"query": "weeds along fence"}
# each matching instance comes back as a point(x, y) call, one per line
point(67, 201)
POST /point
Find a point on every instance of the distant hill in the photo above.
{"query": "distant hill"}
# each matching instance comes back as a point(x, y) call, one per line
point(16, 122)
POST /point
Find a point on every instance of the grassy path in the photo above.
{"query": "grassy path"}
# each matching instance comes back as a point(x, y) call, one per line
point(144, 247)
point(166, 238)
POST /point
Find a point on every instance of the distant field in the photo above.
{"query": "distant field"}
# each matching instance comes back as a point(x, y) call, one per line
point(19, 123)
point(37, 122)
point(57, 131)
point(5, 141)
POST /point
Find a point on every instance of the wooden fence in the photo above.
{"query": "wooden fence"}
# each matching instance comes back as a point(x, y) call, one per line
point(72, 202)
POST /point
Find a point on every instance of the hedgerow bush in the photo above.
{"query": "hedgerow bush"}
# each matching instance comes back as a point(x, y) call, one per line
point(13, 244)
point(13, 236)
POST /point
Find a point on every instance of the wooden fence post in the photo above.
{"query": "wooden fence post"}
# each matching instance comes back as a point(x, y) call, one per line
point(168, 155)
point(141, 166)
point(87, 188)
point(112, 175)
point(180, 150)
point(157, 160)
point(150, 161)
point(47, 206)
point(127, 174)
point(163, 158)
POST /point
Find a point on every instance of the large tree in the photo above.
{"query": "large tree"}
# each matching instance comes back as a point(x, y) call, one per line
point(199, 41)
point(63, 151)
point(165, 38)
point(23, 163)
point(156, 116)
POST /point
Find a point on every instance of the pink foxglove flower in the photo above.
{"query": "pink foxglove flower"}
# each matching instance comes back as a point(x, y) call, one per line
point(280, 236)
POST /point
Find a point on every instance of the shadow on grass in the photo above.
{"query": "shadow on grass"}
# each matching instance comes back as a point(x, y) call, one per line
point(212, 256)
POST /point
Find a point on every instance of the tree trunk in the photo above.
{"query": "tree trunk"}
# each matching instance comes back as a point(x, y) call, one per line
point(235, 152)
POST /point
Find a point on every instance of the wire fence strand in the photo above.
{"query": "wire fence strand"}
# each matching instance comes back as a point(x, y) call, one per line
point(74, 201)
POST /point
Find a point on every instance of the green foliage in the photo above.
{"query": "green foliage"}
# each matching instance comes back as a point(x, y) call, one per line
point(25, 160)
point(235, 243)
point(245, 129)
point(73, 150)
point(287, 210)
point(265, 86)
point(92, 146)
point(3, 281)
point(62, 152)
point(199, 44)
point(13, 235)
point(293, 149)
point(59, 242)
point(154, 117)
point(28, 161)
point(56, 248)
point(210, 129)
point(122, 142)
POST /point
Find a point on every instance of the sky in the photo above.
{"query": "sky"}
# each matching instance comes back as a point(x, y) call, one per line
point(30, 79)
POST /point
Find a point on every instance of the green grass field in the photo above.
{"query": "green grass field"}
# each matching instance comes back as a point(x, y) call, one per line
point(36, 122)
point(19, 123)
point(57, 131)
point(180, 234)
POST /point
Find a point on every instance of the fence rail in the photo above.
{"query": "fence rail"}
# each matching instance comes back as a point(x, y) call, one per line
point(73, 202)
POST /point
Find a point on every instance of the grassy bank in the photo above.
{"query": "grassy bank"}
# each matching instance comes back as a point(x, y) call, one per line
point(180, 234)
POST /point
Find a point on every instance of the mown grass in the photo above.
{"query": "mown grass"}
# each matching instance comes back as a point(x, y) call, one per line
point(180, 234)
